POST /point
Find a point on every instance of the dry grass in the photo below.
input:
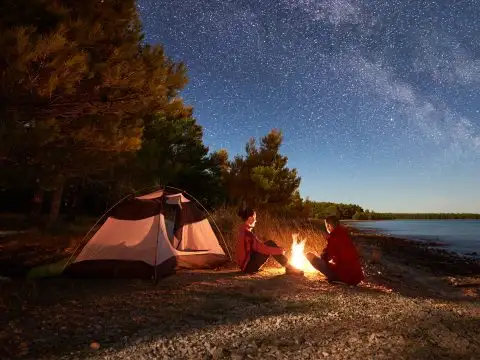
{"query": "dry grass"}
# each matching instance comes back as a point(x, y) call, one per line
point(271, 228)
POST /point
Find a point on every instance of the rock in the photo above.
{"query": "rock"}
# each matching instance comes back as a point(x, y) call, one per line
point(217, 353)
point(236, 356)
point(299, 340)
point(325, 354)
point(23, 348)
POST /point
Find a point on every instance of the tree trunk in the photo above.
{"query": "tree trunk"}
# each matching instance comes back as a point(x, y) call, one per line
point(36, 206)
point(72, 204)
point(56, 201)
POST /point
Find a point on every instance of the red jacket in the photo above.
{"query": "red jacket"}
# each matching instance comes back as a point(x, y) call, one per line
point(341, 250)
point(247, 242)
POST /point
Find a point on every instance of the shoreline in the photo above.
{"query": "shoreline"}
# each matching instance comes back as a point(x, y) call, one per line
point(364, 220)
point(399, 256)
point(440, 244)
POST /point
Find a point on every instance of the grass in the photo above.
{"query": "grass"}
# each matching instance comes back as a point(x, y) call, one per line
point(37, 246)
point(269, 227)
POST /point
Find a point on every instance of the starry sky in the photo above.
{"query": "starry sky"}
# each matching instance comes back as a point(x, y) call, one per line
point(378, 100)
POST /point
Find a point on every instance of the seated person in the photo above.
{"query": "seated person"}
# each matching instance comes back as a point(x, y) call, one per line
point(251, 254)
point(339, 261)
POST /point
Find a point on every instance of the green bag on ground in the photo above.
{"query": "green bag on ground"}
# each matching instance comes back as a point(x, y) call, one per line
point(49, 270)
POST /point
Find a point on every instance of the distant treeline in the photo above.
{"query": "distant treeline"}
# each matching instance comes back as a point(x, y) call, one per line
point(414, 216)
point(320, 210)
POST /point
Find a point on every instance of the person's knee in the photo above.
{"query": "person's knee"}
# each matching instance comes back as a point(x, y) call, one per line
point(271, 243)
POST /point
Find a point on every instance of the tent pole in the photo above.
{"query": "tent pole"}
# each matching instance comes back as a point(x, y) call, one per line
point(156, 252)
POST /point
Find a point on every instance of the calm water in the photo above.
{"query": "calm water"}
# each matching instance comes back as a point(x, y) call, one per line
point(462, 236)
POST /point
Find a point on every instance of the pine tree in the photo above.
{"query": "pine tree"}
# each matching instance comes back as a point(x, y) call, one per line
point(173, 154)
point(262, 177)
point(76, 86)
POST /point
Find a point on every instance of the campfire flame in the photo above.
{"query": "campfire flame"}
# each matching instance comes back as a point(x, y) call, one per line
point(298, 259)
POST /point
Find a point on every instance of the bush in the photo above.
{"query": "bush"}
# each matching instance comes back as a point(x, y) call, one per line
point(359, 215)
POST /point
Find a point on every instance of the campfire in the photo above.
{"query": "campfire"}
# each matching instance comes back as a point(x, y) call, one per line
point(298, 259)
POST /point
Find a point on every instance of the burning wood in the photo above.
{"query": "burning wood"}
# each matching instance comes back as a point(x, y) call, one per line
point(298, 260)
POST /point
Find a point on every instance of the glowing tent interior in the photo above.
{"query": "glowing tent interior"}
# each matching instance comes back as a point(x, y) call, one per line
point(149, 236)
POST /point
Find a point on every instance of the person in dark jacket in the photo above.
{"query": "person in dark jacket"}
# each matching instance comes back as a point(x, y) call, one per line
point(251, 254)
point(339, 261)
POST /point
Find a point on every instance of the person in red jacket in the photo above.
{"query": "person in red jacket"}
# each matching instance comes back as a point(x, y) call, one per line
point(339, 261)
point(251, 254)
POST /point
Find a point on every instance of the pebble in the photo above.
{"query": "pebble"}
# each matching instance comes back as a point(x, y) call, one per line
point(217, 353)
point(336, 324)
point(236, 356)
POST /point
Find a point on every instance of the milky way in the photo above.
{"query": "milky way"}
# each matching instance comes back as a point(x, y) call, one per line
point(365, 85)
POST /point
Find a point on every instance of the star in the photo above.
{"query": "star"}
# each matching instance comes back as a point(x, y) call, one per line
point(364, 87)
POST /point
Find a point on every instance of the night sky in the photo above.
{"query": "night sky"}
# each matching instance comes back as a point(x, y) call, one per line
point(378, 101)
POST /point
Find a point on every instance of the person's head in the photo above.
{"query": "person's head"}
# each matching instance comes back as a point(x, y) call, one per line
point(331, 222)
point(248, 215)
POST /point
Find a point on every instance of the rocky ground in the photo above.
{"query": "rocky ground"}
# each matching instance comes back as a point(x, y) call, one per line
point(408, 308)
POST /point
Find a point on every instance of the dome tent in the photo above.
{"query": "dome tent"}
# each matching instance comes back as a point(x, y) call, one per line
point(149, 236)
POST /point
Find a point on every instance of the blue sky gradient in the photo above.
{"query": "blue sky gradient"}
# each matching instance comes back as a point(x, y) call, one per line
point(378, 101)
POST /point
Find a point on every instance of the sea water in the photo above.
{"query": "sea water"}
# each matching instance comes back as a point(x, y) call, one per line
point(461, 236)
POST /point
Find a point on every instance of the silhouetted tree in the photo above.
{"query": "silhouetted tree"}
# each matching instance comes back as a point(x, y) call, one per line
point(173, 154)
point(261, 177)
point(76, 84)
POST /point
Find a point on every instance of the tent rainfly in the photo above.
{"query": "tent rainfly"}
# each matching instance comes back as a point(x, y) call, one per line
point(150, 236)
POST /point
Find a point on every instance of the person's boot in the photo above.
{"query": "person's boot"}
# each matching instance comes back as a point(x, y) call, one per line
point(290, 270)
